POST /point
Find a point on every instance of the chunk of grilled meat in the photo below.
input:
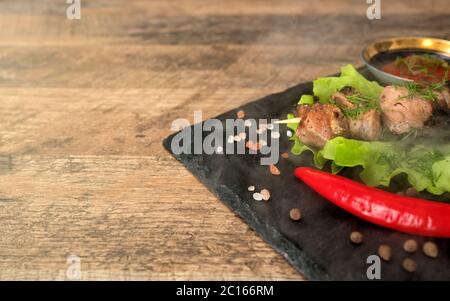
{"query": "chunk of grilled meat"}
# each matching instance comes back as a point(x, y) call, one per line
point(365, 126)
point(320, 123)
point(341, 100)
point(401, 112)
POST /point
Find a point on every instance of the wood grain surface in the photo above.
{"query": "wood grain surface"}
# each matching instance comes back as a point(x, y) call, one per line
point(86, 103)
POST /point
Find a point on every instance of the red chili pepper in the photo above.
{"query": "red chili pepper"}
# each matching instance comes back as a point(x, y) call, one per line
point(402, 213)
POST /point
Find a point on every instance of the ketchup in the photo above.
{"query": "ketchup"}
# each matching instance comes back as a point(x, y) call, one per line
point(419, 68)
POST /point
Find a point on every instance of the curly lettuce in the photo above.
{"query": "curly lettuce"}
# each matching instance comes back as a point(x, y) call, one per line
point(426, 168)
point(324, 87)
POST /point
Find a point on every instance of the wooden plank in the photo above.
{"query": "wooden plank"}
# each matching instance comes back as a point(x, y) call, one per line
point(120, 215)
point(85, 105)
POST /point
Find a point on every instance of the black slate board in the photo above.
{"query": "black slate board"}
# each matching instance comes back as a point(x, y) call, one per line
point(318, 246)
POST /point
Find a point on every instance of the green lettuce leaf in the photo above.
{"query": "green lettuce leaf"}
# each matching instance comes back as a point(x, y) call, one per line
point(426, 168)
point(306, 100)
point(292, 126)
point(324, 87)
point(441, 174)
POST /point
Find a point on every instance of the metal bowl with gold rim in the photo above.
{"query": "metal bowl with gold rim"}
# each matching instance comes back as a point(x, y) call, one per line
point(381, 52)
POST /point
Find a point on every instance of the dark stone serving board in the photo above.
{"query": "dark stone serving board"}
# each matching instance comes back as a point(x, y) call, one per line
point(318, 246)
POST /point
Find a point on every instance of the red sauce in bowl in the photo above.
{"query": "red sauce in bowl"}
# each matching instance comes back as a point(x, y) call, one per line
point(420, 68)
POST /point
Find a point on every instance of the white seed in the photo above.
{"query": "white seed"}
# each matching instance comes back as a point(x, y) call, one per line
point(251, 188)
point(270, 126)
point(289, 134)
point(247, 123)
point(237, 138)
point(265, 194)
point(257, 196)
point(219, 150)
point(275, 135)
point(242, 135)
point(230, 139)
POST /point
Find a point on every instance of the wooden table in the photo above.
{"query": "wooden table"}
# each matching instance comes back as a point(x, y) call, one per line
point(86, 103)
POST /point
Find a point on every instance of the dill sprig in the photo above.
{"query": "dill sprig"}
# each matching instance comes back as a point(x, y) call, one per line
point(427, 92)
point(421, 63)
point(361, 103)
point(411, 133)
